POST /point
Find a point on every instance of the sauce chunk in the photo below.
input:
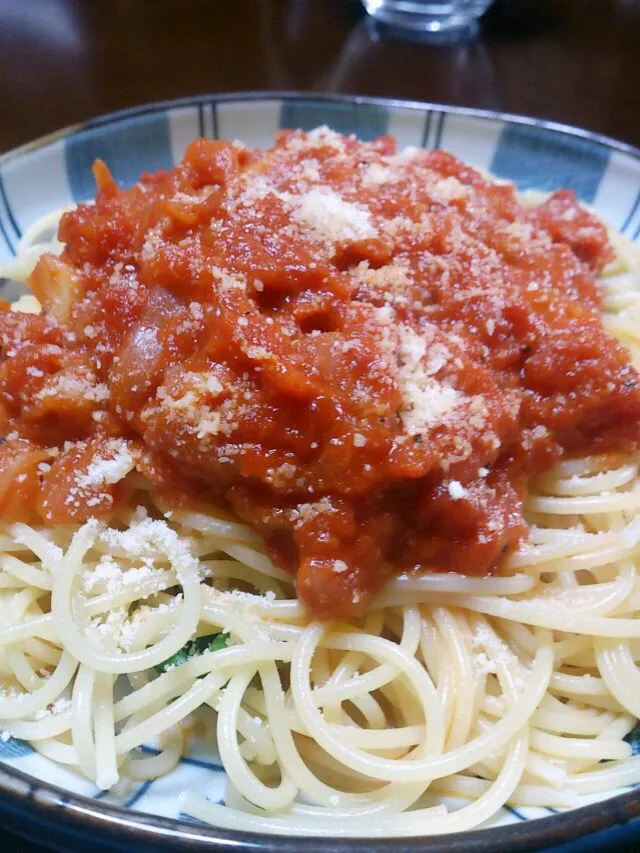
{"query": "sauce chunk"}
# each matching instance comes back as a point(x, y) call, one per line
point(366, 355)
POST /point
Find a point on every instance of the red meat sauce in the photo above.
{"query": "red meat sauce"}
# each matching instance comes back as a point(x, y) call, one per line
point(365, 355)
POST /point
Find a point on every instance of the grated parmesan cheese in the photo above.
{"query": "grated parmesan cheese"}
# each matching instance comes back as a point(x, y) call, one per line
point(456, 490)
point(152, 538)
point(68, 385)
point(329, 217)
point(108, 470)
point(426, 401)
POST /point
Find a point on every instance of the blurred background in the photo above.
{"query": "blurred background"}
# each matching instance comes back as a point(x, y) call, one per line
point(64, 61)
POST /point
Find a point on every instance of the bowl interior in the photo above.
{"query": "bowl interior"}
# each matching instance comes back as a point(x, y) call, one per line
point(56, 172)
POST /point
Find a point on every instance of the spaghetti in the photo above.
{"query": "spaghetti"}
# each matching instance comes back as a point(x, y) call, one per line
point(516, 688)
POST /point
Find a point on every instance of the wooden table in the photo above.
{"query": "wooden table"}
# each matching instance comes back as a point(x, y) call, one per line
point(64, 61)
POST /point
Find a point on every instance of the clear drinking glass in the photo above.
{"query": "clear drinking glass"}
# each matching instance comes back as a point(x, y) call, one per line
point(428, 19)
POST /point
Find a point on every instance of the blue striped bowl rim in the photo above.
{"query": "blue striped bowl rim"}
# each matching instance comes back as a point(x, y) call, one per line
point(588, 160)
point(534, 153)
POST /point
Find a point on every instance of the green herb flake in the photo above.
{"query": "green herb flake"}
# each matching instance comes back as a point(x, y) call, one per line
point(210, 643)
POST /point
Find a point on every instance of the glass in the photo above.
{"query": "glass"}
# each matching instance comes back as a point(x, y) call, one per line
point(427, 20)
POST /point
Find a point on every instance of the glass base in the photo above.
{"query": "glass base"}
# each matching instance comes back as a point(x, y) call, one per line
point(436, 32)
point(427, 20)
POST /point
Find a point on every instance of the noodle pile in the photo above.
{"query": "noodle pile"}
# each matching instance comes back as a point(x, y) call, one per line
point(512, 689)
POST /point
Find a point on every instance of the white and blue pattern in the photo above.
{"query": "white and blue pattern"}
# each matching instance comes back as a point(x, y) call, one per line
point(199, 770)
point(535, 155)
point(56, 172)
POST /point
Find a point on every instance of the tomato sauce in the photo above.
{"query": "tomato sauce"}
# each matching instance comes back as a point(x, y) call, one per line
point(365, 355)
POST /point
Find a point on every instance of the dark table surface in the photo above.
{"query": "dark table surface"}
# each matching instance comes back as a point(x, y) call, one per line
point(64, 61)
